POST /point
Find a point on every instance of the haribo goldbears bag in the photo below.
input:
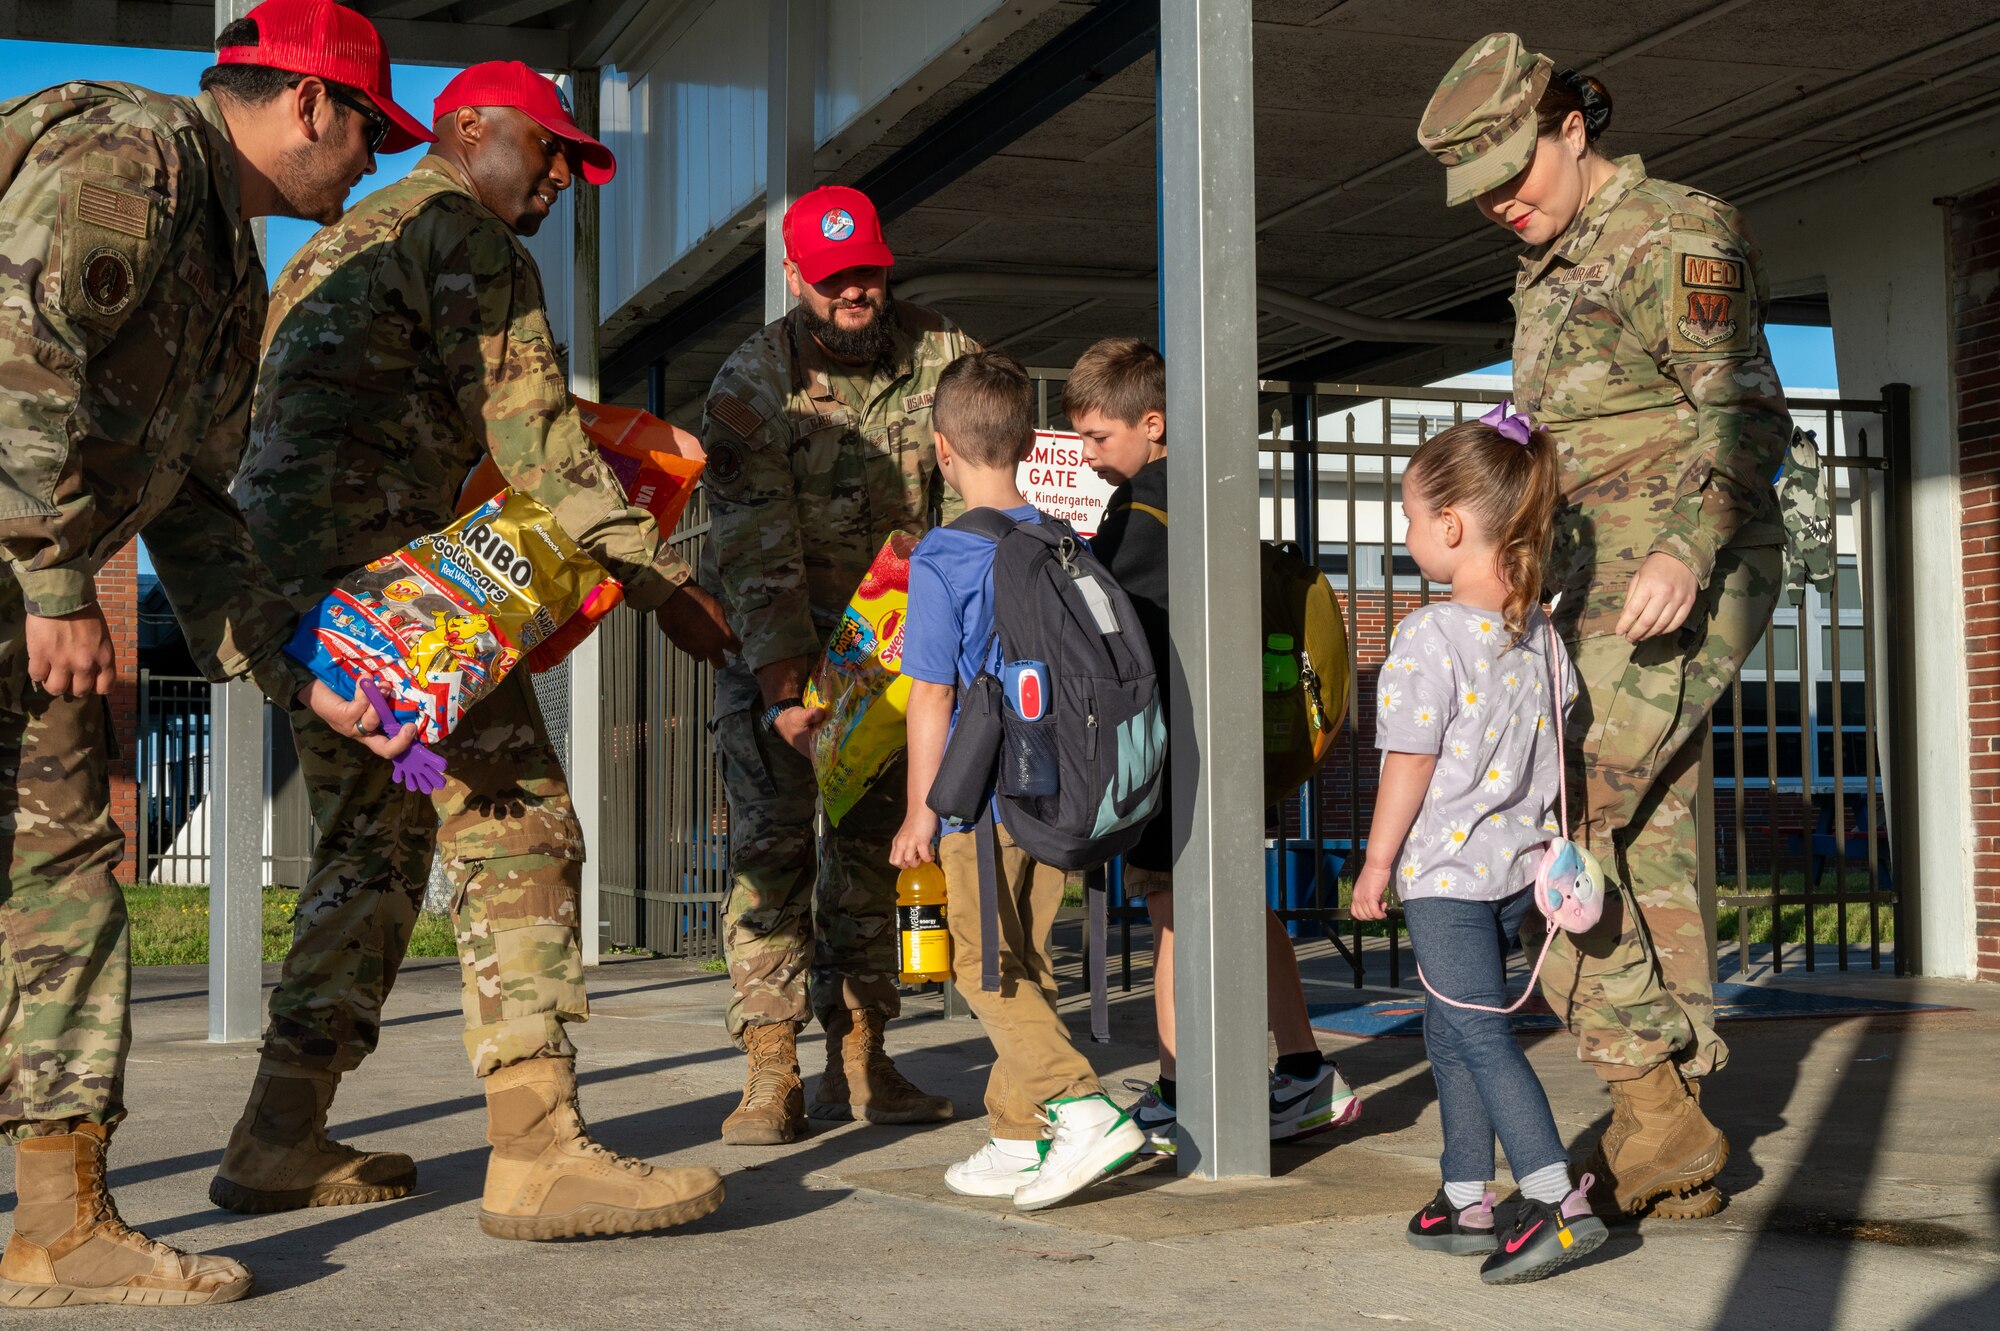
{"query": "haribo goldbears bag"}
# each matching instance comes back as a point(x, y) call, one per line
point(438, 624)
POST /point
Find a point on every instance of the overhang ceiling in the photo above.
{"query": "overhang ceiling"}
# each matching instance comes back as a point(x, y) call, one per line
point(1741, 98)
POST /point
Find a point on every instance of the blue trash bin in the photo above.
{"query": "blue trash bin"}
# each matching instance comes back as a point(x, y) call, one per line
point(1294, 891)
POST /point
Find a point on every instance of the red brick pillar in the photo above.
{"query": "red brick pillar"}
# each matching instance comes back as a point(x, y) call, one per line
point(118, 594)
point(1975, 293)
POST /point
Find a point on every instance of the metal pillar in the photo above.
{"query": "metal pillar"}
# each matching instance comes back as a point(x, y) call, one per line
point(236, 861)
point(788, 168)
point(1210, 247)
point(236, 820)
point(586, 694)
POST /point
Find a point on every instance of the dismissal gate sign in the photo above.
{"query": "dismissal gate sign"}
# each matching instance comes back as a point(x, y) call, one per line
point(1056, 481)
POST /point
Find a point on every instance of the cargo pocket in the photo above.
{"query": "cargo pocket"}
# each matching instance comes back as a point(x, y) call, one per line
point(743, 764)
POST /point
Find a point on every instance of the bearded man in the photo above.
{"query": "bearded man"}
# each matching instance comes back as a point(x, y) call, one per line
point(818, 432)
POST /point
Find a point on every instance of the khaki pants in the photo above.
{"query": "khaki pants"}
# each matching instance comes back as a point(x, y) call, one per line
point(1033, 1059)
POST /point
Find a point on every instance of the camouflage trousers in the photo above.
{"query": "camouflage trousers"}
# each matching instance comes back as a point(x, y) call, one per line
point(1638, 989)
point(65, 973)
point(808, 930)
point(513, 851)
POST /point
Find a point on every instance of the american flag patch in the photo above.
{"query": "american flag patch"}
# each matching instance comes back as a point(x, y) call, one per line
point(734, 414)
point(114, 210)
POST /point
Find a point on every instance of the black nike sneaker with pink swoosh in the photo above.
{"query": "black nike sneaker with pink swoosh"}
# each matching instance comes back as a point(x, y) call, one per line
point(1543, 1238)
point(1441, 1227)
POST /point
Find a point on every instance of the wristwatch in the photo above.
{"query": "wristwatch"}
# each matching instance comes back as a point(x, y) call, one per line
point(769, 721)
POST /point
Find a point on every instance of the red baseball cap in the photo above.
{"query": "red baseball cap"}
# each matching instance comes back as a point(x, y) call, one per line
point(831, 228)
point(328, 41)
point(511, 83)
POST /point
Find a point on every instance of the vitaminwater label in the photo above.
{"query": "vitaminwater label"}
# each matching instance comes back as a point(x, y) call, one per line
point(925, 940)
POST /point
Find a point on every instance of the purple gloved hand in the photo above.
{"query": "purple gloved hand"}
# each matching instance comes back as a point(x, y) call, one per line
point(418, 769)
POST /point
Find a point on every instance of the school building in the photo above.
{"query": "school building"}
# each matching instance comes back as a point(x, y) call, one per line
point(1240, 179)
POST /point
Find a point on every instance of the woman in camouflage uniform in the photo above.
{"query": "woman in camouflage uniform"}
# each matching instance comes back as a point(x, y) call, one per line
point(1639, 345)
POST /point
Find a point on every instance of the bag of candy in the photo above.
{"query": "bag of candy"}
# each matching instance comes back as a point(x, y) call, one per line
point(437, 625)
point(859, 682)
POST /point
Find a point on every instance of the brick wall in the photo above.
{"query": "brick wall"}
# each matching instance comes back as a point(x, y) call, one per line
point(1975, 261)
point(118, 593)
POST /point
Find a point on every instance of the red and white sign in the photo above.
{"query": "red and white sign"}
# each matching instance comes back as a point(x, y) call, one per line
point(1055, 480)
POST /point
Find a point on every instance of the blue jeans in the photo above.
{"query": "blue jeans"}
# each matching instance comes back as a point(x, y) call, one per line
point(1485, 1085)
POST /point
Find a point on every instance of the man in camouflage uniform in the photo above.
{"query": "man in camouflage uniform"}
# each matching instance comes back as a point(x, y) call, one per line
point(130, 303)
point(1639, 344)
point(818, 432)
point(406, 344)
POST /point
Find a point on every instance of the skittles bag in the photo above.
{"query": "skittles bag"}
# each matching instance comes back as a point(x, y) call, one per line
point(860, 684)
point(435, 626)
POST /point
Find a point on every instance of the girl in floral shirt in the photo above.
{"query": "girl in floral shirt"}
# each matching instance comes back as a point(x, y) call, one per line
point(1471, 773)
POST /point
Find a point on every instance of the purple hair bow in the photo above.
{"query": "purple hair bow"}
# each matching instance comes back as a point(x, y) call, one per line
point(1509, 423)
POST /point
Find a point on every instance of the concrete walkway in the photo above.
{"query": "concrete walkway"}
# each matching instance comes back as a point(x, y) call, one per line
point(1865, 1174)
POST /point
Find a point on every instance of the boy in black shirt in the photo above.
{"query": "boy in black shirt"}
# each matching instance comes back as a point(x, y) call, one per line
point(1116, 398)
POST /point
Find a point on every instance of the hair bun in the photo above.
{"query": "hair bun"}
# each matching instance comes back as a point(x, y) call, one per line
point(1595, 99)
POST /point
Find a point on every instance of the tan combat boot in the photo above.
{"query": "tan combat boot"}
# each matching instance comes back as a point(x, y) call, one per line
point(546, 1178)
point(1704, 1201)
point(70, 1246)
point(773, 1110)
point(861, 1082)
point(1671, 1149)
point(280, 1158)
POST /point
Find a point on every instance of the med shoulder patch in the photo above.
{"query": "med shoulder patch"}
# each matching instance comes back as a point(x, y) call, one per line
point(1709, 309)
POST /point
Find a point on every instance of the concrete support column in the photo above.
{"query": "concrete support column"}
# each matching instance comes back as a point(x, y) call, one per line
point(1209, 253)
point(586, 694)
point(788, 170)
point(236, 820)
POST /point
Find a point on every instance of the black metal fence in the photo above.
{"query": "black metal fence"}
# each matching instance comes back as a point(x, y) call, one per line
point(663, 854)
point(1797, 835)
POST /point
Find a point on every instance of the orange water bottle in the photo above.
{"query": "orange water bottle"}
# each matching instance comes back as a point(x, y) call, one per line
point(920, 925)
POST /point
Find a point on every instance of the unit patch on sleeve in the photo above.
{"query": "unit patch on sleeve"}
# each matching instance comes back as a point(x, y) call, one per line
point(1710, 310)
point(107, 280)
point(725, 464)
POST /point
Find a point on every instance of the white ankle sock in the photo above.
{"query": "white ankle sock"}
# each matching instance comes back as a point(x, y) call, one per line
point(1548, 1184)
point(1462, 1195)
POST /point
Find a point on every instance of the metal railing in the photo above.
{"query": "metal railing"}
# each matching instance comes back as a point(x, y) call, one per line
point(663, 852)
point(170, 769)
point(1332, 457)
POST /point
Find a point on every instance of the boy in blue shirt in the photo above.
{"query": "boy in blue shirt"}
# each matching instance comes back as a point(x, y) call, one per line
point(1054, 1130)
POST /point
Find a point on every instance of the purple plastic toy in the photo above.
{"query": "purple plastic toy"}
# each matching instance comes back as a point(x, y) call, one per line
point(419, 769)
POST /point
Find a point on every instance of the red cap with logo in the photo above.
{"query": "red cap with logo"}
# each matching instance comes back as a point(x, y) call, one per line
point(511, 83)
point(831, 228)
point(332, 42)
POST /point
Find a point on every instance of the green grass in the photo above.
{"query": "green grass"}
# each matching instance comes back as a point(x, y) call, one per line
point(170, 926)
point(1792, 916)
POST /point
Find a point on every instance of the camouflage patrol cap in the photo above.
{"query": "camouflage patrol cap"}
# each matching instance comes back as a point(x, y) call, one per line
point(1481, 120)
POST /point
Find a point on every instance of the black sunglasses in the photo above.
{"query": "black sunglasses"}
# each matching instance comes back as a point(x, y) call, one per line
point(378, 125)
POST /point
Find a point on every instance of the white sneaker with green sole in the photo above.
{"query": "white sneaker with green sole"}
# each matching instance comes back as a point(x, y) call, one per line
point(1092, 1138)
point(996, 1169)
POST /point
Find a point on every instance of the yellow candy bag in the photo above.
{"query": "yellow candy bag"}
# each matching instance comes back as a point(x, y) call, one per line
point(859, 682)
